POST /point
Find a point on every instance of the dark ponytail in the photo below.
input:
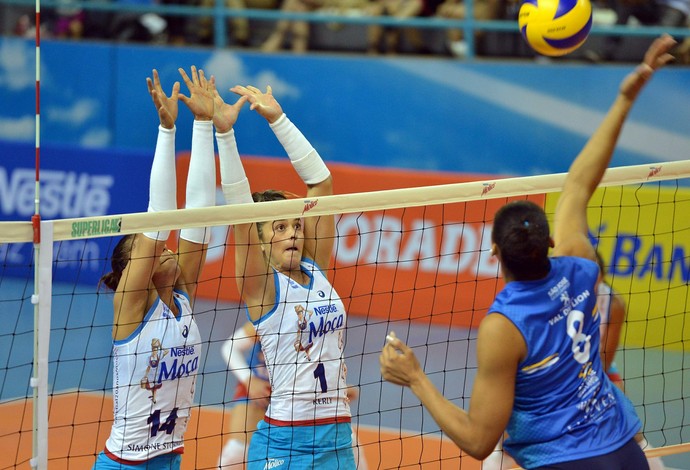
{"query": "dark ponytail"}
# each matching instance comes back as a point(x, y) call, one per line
point(521, 233)
point(118, 263)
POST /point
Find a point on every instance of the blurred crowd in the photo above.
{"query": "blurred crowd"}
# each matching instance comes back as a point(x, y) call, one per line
point(70, 21)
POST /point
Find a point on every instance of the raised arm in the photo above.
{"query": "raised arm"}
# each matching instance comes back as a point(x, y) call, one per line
point(319, 232)
point(585, 173)
point(251, 267)
point(132, 295)
point(201, 179)
point(476, 431)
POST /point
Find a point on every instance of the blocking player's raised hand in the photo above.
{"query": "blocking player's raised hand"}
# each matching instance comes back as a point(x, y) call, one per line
point(200, 99)
point(167, 106)
point(263, 103)
point(224, 114)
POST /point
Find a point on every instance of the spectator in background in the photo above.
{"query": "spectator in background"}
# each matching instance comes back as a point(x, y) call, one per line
point(69, 20)
point(177, 24)
point(24, 27)
point(391, 35)
point(455, 9)
point(296, 32)
point(125, 25)
point(239, 30)
point(239, 27)
point(669, 13)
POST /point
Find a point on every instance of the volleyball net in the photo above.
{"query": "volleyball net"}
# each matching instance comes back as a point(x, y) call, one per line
point(415, 260)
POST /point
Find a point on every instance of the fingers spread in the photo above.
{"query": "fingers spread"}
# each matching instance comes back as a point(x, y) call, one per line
point(186, 79)
point(156, 78)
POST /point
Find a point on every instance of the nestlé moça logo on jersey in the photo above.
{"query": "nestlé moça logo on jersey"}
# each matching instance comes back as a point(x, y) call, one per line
point(325, 324)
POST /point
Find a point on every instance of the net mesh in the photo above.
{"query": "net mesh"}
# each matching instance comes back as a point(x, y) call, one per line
point(415, 261)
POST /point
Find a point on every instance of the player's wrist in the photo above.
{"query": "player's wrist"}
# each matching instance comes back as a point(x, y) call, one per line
point(277, 120)
point(644, 71)
point(222, 127)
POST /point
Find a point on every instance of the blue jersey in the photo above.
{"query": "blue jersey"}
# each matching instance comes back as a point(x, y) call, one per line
point(565, 407)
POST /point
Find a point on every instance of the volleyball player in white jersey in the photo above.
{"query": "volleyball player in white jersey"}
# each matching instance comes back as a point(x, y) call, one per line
point(539, 375)
point(298, 316)
point(612, 309)
point(157, 345)
point(242, 352)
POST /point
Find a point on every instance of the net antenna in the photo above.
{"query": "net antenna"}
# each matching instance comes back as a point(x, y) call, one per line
point(39, 376)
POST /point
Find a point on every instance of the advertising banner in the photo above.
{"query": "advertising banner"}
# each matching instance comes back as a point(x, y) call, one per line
point(643, 236)
point(74, 183)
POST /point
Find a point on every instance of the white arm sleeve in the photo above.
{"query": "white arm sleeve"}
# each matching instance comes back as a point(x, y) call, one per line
point(234, 350)
point(304, 158)
point(162, 182)
point(201, 179)
point(233, 179)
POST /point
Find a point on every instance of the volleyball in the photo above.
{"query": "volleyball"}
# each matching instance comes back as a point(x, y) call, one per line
point(555, 27)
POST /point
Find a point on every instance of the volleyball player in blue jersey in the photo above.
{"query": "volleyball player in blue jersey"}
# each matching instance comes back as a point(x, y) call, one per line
point(540, 376)
point(156, 342)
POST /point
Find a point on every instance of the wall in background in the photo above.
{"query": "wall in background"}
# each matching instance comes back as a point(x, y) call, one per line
point(508, 117)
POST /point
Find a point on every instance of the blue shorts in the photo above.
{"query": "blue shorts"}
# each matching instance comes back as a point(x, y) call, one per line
point(170, 461)
point(628, 457)
point(299, 447)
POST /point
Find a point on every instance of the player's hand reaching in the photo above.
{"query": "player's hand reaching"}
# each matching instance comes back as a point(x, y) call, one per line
point(656, 57)
point(352, 392)
point(200, 99)
point(399, 365)
point(167, 107)
point(263, 103)
point(224, 115)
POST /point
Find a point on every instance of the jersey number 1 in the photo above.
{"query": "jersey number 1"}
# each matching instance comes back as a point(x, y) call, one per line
point(320, 375)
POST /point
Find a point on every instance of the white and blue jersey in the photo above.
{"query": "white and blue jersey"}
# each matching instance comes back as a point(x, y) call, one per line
point(307, 424)
point(154, 373)
point(302, 339)
point(565, 407)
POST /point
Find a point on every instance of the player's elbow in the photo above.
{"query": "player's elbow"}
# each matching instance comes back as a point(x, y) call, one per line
point(478, 448)
point(481, 451)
